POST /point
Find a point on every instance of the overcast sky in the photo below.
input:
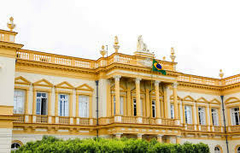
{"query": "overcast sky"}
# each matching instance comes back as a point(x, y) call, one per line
point(205, 34)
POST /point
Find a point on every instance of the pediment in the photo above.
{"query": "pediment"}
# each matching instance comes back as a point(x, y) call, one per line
point(188, 98)
point(215, 101)
point(84, 87)
point(22, 80)
point(232, 100)
point(203, 100)
point(65, 85)
point(43, 82)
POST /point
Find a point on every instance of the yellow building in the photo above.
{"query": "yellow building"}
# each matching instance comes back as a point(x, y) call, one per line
point(114, 96)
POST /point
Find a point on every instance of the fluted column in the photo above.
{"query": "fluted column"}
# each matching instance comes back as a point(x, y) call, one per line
point(175, 101)
point(166, 108)
point(117, 94)
point(159, 138)
point(137, 82)
point(157, 99)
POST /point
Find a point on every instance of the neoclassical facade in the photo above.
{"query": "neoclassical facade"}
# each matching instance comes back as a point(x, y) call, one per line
point(114, 96)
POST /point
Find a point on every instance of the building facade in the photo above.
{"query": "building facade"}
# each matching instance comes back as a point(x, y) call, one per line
point(114, 96)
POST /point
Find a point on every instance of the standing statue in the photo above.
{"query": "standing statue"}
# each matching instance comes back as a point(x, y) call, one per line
point(141, 46)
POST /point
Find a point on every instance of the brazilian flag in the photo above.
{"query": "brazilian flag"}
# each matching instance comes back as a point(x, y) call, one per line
point(158, 67)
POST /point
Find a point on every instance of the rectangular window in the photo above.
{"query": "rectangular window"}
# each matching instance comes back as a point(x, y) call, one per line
point(214, 116)
point(63, 105)
point(153, 109)
point(41, 103)
point(188, 114)
point(19, 99)
point(172, 111)
point(83, 106)
point(235, 116)
point(121, 104)
point(135, 107)
point(201, 114)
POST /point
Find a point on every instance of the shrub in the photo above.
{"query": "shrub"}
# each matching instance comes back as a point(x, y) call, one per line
point(99, 145)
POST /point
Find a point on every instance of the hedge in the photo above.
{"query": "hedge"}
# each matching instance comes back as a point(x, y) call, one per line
point(50, 144)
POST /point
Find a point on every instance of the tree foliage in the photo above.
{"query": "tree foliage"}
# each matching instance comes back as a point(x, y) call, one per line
point(50, 144)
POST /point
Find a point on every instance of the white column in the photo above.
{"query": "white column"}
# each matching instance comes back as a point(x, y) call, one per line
point(103, 98)
point(138, 100)
point(118, 135)
point(139, 136)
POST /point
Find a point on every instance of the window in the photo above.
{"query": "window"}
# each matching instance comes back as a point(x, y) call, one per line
point(15, 146)
point(63, 105)
point(135, 107)
point(214, 116)
point(217, 150)
point(235, 116)
point(121, 105)
point(83, 106)
point(201, 114)
point(238, 150)
point(153, 109)
point(41, 106)
point(188, 114)
point(172, 111)
point(19, 98)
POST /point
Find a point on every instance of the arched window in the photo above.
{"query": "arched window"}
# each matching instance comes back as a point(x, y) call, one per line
point(238, 150)
point(15, 146)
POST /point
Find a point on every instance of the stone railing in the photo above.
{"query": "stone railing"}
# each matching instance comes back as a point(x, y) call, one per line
point(234, 128)
point(190, 127)
point(129, 119)
point(199, 80)
point(90, 64)
point(169, 122)
point(7, 36)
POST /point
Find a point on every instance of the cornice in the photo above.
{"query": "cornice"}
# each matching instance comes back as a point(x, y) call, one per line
point(9, 45)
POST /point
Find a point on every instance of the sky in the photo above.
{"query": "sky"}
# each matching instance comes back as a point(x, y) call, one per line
point(205, 34)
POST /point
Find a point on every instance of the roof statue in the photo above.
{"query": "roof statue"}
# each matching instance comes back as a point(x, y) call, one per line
point(11, 25)
point(141, 46)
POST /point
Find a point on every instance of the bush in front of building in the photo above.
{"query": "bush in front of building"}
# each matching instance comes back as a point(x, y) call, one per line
point(54, 145)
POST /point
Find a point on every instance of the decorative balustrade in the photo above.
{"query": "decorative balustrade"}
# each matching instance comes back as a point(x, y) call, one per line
point(129, 119)
point(20, 118)
point(86, 63)
point(169, 122)
point(105, 120)
point(41, 118)
point(7, 36)
point(235, 128)
point(190, 127)
point(64, 120)
point(199, 80)
point(217, 128)
point(203, 128)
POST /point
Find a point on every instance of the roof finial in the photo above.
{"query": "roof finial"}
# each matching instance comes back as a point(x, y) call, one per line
point(221, 74)
point(172, 56)
point(11, 25)
point(103, 51)
point(116, 46)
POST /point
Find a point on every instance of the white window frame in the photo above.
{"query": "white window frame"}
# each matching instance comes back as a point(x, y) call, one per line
point(63, 104)
point(201, 115)
point(84, 101)
point(19, 101)
point(39, 102)
point(234, 115)
point(121, 104)
point(153, 108)
point(135, 106)
point(188, 114)
point(172, 111)
point(214, 113)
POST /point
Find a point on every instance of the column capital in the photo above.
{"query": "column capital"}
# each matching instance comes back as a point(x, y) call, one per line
point(139, 135)
point(117, 77)
point(157, 82)
point(137, 80)
point(160, 135)
point(175, 84)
